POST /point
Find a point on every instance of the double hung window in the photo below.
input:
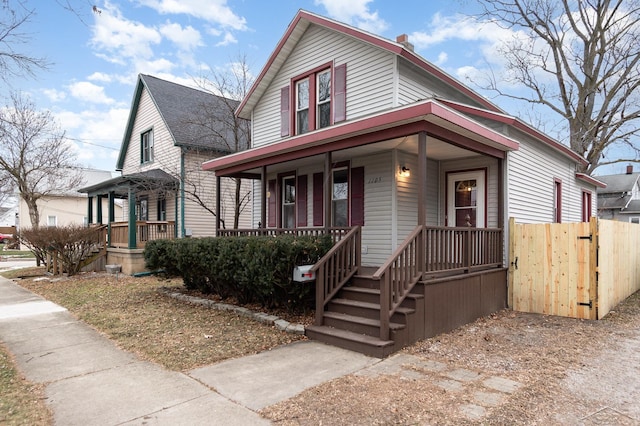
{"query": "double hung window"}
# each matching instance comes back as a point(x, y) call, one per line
point(146, 147)
point(313, 101)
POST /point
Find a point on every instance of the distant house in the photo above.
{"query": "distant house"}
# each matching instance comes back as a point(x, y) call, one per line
point(620, 199)
point(68, 208)
point(413, 172)
point(170, 131)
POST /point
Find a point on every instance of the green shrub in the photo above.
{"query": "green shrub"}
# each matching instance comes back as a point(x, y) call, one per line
point(250, 269)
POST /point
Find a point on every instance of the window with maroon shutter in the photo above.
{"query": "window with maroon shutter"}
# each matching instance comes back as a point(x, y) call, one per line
point(340, 94)
point(357, 196)
point(318, 199)
point(285, 100)
point(301, 201)
point(272, 203)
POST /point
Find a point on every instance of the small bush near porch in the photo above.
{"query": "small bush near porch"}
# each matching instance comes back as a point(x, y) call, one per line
point(249, 269)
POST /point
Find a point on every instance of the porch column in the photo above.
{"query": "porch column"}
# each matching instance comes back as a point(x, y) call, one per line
point(99, 210)
point(263, 198)
point(422, 178)
point(218, 192)
point(328, 190)
point(132, 219)
point(112, 215)
point(90, 211)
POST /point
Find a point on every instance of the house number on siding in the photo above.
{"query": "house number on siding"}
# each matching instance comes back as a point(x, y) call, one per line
point(375, 180)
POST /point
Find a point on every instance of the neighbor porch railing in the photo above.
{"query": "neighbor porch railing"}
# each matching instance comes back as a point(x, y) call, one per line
point(146, 230)
point(336, 268)
point(337, 233)
point(434, 250)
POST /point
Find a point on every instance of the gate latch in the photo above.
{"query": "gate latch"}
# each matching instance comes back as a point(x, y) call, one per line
point(586, 237)
point(590, 304)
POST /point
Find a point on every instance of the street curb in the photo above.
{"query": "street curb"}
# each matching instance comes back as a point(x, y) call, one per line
point(260, 317)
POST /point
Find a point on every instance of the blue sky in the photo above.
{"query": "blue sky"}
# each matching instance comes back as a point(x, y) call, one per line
point(96, 57)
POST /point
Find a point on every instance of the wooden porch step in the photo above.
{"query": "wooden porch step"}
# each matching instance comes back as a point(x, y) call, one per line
point(362, 309)
point(362, 343)
point(357, 324)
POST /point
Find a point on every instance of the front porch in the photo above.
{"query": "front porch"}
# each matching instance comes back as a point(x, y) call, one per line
point(439, 278)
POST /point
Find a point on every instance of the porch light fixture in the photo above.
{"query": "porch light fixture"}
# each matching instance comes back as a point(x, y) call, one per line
point(405, 171)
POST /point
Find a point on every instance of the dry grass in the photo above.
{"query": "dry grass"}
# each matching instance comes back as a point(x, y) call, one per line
point(134, 314)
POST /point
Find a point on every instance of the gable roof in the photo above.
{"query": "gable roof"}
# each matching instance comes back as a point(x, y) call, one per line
point(294, 33)
point(181, 107)
point(619, 183)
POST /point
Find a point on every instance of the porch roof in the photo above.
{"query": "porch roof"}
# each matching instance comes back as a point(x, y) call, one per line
point(149, 180)
point(433, 117)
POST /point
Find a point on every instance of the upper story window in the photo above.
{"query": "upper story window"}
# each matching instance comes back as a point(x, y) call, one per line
point(146, 147)
point(315, 100)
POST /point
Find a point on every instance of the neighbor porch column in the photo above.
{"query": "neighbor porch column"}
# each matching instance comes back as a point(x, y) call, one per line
point(422, 178)
point(328, 190)
point(218, 192)
point(112, 215)
point(263, 198)
point(132, 219)
point(99, 209)
point(90, 211)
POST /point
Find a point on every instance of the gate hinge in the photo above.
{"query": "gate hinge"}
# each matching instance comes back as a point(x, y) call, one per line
point(586, 237)
point(590, 304)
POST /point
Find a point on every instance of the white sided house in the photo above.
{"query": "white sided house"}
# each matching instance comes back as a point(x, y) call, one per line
point(171, 130)
point(413, 173)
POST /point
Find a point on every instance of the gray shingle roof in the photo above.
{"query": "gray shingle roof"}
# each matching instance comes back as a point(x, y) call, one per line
point(184, 110)
point(618, 183)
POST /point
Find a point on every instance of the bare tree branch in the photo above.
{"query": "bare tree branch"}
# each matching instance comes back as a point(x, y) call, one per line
point(590, 50)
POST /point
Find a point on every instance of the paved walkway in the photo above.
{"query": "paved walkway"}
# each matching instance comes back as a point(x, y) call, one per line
point(89, 381)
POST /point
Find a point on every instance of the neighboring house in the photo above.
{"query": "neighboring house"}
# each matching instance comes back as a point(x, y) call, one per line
point(171, 130)
point(353, 130)
point(68, 208)
point(620, 200)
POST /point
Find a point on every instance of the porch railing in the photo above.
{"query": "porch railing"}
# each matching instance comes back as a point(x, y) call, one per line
point(399, 275)
point(335, 269)
point(145, 231)
point(434, 250)
point(337, 233)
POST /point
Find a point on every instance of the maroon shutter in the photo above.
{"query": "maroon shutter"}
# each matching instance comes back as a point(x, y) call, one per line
point(340, 94)
point(272, 198)
point(357, 196)
point(285, 117)
point(301, 200)
point(318, 199)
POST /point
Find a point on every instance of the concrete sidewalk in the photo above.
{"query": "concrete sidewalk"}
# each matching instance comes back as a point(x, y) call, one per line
point(89, 381)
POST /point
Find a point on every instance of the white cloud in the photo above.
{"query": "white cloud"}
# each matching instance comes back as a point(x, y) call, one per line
point(117, 37)
point(442, 58)
point(101, 77)
point(54, 95)
point(227, 40)
point(155, 67)
point(186, 38)
point(354, 12)
point(213, 11)
point(89, 92)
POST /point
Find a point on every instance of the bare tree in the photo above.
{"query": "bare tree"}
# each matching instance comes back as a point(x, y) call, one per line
point(581, 60)
point(220, 121)
point(14, 15)
point(34, 154)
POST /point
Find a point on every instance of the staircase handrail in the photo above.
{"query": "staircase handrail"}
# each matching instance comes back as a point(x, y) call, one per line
point(399, 275)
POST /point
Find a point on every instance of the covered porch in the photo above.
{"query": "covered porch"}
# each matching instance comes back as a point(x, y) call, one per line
point(147, 194)
point(421, 189)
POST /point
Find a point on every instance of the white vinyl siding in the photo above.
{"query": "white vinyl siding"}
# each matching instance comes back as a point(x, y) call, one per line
point(369, 71)
point(166, 154)
point(531, 173)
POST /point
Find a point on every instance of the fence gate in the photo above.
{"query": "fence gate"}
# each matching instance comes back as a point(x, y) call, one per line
point(553, 268)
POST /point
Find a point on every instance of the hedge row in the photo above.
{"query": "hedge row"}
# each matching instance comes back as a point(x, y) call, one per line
point(250, 269)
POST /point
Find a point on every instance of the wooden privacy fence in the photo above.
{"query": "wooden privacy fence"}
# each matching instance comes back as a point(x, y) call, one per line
point(578, 270)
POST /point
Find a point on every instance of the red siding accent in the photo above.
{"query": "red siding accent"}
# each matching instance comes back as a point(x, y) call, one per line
point(340, 93)
point(301, 201)
point(357, 196)
point(272, 203)
point(318, 199)
point(285, 102)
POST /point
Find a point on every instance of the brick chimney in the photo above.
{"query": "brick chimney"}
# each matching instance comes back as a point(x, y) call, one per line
point(629, 169)
point(404, 40)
